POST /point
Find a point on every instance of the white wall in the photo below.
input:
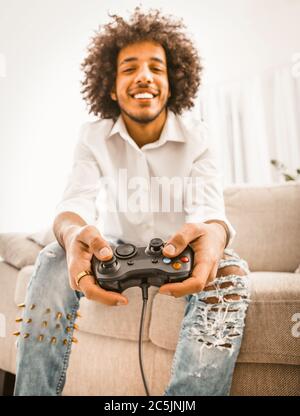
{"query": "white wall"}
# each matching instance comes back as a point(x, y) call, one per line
point(42, 43)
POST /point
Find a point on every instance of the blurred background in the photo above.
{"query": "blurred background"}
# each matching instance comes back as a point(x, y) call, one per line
point(250, 95)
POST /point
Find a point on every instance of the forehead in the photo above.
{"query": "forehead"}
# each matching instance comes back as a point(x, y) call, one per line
point(142, 51)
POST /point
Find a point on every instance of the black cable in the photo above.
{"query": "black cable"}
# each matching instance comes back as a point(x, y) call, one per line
point(145, 299)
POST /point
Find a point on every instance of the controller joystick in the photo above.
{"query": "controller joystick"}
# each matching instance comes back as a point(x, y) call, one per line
point(155, 246)
point(110, 266)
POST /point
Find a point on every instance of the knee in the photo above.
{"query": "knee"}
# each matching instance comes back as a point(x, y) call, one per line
point(52, 262)
point(52, 250)
point(229, 270)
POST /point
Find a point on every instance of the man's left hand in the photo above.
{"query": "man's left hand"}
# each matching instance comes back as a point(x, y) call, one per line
point(208, 242)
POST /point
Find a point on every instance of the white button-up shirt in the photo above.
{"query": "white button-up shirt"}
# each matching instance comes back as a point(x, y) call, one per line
point(135, 194)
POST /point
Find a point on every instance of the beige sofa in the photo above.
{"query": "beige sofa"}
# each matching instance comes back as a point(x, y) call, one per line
point(105, 360)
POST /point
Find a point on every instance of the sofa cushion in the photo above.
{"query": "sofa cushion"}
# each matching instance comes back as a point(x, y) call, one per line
point(267, 221)
point(269, 335)
point(17, 250)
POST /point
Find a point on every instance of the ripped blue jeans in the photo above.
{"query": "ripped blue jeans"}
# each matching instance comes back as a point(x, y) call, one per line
point(211, 333)
point(207, 349)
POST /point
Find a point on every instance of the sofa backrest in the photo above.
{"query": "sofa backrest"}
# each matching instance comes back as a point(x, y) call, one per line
point(267, 222)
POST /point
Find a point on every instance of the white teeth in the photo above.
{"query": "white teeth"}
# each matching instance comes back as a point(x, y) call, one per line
point(144, 95)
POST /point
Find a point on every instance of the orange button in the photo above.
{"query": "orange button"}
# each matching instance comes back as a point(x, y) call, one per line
point(184, 259)
point(176, 266)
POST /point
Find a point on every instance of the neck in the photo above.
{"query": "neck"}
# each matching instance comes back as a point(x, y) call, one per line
point(143, 133)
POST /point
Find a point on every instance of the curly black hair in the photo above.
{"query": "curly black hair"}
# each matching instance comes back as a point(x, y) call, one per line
point(100, 65)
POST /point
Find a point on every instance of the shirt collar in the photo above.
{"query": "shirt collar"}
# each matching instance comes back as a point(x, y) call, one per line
point(172, 131)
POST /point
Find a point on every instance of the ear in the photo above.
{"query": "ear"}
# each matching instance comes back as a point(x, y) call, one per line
point(113, 94)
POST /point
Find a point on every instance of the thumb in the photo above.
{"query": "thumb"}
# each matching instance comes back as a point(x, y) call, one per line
point(170, 249)
point(175, 245)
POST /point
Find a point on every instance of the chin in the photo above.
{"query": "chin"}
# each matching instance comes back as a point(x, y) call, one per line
point(143, 117)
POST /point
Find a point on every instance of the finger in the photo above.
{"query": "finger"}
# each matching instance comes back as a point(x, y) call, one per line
point(193, 284)
point(178, 242)
point(93, 291)
point(98, 246)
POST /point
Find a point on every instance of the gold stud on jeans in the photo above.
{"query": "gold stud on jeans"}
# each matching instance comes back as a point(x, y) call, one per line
point(65, 342)
point(41, 337)
point(28, 320)
point(19, 319)
point(16, 333)
point(44, 324)
point(21, 305)
point(74, 339)
point(53, 340)
point(26, 335)
point(69, 316)
point(58, 315)
point(32, 306)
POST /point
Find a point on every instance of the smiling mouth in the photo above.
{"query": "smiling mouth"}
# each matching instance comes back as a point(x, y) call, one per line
point(143, 96)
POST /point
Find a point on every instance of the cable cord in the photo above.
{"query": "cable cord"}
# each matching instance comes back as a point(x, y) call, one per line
point(145, 299)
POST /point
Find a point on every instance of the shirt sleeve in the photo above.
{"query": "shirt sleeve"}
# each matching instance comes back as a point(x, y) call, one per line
point(204, 195)
point(83, 183)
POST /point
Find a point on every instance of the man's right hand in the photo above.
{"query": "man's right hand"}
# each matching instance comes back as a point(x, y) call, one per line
point(81, 243)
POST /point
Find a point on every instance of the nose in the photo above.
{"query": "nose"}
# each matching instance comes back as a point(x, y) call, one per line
point(144, 75)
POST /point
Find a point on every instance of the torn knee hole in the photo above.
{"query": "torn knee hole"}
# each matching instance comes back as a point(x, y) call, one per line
point(227, 345)
point(228, 270)
point(232, 297)
point(214, 299)
point(211, 300)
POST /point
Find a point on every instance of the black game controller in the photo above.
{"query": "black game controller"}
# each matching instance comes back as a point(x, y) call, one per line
point(133, 266)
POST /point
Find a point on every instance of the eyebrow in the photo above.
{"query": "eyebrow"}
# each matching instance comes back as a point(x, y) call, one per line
point(133, 58)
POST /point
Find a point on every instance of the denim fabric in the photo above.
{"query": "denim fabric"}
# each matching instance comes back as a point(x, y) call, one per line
point(207, 348)
point(211, 335)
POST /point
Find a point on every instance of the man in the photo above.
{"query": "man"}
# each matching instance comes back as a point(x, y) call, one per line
point(139, 77)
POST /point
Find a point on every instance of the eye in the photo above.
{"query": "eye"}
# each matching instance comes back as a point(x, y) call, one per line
point(128, 70)
point(157, 69)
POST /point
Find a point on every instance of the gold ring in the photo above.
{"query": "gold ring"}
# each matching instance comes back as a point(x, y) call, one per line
point(82, 274)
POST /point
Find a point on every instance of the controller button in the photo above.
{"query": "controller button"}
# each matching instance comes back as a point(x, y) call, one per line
point(154, 260)
point(166, 260)
point(125, 250)
point(176, 266)
point(184, 259)
point(130, 262)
